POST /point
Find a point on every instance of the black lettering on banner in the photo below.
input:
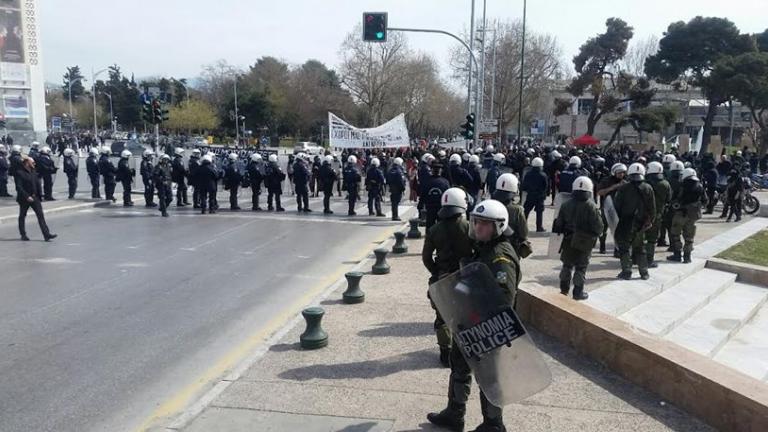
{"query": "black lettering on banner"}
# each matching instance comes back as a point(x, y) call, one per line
point(490, 334)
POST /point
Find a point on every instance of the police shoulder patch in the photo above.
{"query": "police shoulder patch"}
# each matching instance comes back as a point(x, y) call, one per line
point(502, 259)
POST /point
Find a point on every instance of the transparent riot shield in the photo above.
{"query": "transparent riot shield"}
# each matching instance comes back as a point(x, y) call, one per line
point(609, 210)
point(505, 361)
point(556, 240)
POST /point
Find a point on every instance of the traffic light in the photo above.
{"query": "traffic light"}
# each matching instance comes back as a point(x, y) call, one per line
point(469, 127)
point(166, 115)
point(157, 112)
point(2, 124)
point(375, 26)
point(146, 112)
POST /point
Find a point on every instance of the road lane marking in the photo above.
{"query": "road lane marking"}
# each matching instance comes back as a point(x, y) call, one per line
point(174, 405)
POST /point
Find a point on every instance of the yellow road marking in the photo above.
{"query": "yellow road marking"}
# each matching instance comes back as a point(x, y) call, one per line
point(180, 400)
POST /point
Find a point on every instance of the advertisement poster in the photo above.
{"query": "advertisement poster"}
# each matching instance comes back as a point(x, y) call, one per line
point(11, 37)
point(13, 72)
point(10, 4)
point(16, 106)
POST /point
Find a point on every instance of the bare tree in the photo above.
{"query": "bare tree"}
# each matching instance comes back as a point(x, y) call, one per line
point(216, 84)
point(637, 53)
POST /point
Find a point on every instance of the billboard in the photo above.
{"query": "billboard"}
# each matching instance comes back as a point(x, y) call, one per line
point(11, 36)
point(16, 106)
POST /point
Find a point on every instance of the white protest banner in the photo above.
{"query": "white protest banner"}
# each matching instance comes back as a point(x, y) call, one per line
point(392, 134)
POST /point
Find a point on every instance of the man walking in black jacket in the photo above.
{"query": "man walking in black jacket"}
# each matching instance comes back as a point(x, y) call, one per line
point(28, 196)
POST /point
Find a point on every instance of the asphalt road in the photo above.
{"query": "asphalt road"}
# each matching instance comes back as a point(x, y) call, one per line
point(126, 308)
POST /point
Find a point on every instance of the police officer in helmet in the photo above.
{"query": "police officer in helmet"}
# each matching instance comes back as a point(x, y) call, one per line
point(146, 170)
point(686, 209)
point(636, 207)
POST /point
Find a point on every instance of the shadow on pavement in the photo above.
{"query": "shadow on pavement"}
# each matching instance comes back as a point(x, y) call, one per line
point(412, 361)
point(362, 427)
point(411, 329)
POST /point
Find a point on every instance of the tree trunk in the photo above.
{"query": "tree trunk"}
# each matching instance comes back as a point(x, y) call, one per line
point(711, 111)
point(615, 134)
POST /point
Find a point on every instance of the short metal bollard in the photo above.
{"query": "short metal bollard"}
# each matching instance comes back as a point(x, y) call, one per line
point(414, 232)
point(400, 247)
point(353, 294)
point(314, 336)
point(381, 266)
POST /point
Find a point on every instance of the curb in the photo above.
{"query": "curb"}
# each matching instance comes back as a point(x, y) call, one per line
point(184, 418)
point(747, 273)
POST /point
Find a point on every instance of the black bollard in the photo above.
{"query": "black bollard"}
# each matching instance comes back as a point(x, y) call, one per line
point(313, 337)
point(353, 294)
point(381, 266)
point(414, 232)
point(400, 247)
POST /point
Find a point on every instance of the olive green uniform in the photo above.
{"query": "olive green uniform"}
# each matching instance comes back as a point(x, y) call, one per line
point(662, 193)
point(504, 263)
point(450, 239)
point(686, 209)
point(582, 224)
point(674, 185)
point(636, 206)
point(519, 226)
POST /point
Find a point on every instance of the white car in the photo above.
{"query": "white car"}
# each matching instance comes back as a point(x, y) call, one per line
point(309, 148)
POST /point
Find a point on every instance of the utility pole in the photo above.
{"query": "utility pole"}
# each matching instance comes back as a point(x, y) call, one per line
point(237, 118)
point(522, 78)
point(493, 78)
point(471, 50)
point(481, 70)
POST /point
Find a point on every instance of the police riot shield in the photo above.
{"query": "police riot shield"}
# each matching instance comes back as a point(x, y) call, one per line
point(556, 240)
point(611, 216)
point(503, 357)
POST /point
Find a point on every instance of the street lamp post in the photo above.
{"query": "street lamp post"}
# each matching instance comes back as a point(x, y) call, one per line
point(237, 123)
point(93, 93)
point(111, 111)
point(70, 94)
point(522, 78)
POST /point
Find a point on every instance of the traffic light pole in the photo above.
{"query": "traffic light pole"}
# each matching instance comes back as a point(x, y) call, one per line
point(471, 54)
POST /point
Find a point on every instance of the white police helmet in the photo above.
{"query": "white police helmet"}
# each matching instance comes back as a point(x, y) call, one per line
point(455, 159)
point(669, 159)
point(508, 183)
point(45, 150)
point(105, 150)
point(196, 152)
point(537, 162)
point(575, 160)
point(690, 173)
point(15, 148)
point(677, 166)
point(618, 168)
point(352, 159)
point(35, 144)
point(164, 157)
point(636, 172)
point(329, 158)
point(498, 157)
point(474, 159)
point(556, 154)
point(441, 153)
point(655, 168)
point(398, 161)
point(426, 157)
point(489, 149)
point(490, 210)
point(375, 162)
point(465, 157)
point(273, 158)
point(256, 157)
point(453, 202)
point(178, 151)
point(69, 152)
point(233, 156)
point(125, 154)
point(584, 184)
point(207, 158)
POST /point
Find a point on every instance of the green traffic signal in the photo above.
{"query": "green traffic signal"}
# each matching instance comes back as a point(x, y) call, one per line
point(375, 26)
point(380, 35)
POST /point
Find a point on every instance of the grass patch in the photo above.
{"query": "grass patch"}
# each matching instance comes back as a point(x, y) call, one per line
point(753, 250)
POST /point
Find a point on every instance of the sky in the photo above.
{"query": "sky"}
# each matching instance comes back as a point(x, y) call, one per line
point(177, 37)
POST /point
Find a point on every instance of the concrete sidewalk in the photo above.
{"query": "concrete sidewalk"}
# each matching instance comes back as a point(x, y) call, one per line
point(381, 372)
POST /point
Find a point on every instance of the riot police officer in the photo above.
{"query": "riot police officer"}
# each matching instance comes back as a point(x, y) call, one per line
point(193, 165)
point(108, 171)
point(208, 180)
point(662, 193)
point(14, 160)
point(494, 172)
point(179, 174)
point(34, 151)
point(70, 169)
point(686, 209)
point(374, 184)
point(352, 179)
point(327, 177)
point(274, 178)
point(457, 175)
point(255, 178)
point(488, 222)
point(146, 170)
point(232, 179)
point(580, 222)
point(432, 190)
point(396, 181)
point(3, 173)
point(301, 177)
point(161, 176)
point(46, 169)
point(507, 189)
point(535, 185)
point(636, 206)
point(125, 175)
point(675, 173)
point(569, 175)
point(92, 167)
point(607, 188)
point(445, 245)
point(477, 182)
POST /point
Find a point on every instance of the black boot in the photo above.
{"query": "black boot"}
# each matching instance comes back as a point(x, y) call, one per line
point(579, 294)
point(675, 257)
point(602, 246)
point(565, 287)
point(491, 427)
point(626, 275)
point(451, 418)
point(686, 258)
point(445, 355)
